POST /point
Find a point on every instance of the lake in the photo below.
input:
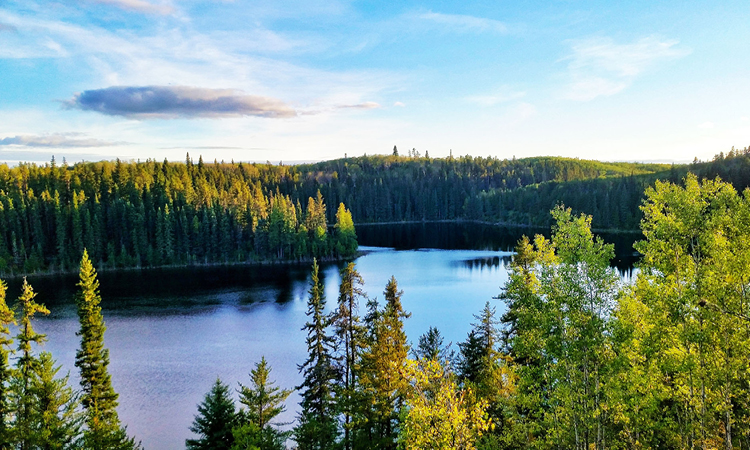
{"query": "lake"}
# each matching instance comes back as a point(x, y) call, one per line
point(172, 332)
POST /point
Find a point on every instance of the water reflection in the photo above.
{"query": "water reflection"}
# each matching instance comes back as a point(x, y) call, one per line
point(488, 262)
point(474, 236)
point(172, 331)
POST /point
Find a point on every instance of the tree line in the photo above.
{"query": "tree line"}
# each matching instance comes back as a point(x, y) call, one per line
point(151, 214)
point(38, 407)
point(578, 360)
point(143, 214)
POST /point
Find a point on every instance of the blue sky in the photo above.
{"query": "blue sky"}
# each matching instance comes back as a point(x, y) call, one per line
point(306, 80)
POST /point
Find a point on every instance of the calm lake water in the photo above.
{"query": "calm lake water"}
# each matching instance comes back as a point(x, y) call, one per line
point(172, 332)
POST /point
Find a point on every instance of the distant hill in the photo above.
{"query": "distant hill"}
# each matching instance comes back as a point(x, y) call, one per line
point(155, 213)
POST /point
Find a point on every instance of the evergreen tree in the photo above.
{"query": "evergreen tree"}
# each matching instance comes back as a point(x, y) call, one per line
point(26, 366)
point(56, 422)
point(264, 402)
point(6, 372)
point(350, 336)
point(346, 236)
point(99, 399)
point(214, 422)
point(430, 346)
point(317, 428)
point(381, 373)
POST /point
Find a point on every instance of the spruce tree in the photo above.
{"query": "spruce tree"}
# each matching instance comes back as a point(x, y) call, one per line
point(215, 420)
point(6, 372)
point(264, 402)
point(381, 374)
point(26, 366)
point(99, 399)
point(350, 340)
point(430, 346)
point(317, 428)
point(56, 421)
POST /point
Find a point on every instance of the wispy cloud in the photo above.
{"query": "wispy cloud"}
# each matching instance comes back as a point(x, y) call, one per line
point(363, 105)
point(600, 67)
point(6, 27)
point(141, 6)
point(465, 23)
point(182, 56)
point(58, 140)
point(166, 102)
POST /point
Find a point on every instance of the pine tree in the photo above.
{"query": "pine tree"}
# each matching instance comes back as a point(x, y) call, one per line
point(6, 372)
point(430, 346)
point(215, 420)
point(26, 366)
point(350, 335)
point(381, 373)
point(99, 399)
point(264, 402)
point(317, 428)
point(56, 422)
point(346, 236)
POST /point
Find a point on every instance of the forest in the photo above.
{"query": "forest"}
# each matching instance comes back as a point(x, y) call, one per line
point(148, 214)
point(579, 359)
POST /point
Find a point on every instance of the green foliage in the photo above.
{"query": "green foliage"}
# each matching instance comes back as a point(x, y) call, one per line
point(560, 296)
point(438, 414)
point(215, 420)
point(56, 420)
point(7, 317)
point(26, 366)
point(382, 385)
point(349, 334)
point(346, 237)
point(430, 346)
point(318, 427)
point(98, 397)
point(153, 214)
point(264, 402)
point(683, 332)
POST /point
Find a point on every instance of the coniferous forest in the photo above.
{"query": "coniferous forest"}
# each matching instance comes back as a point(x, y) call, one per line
point(147, 214)
point(578, 359)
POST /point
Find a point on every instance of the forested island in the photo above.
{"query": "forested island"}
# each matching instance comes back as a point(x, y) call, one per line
point(148, 214)
point(579, 359)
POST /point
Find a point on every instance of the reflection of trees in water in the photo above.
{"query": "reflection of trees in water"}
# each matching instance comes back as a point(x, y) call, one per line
point(487, 262)
point(474, 236)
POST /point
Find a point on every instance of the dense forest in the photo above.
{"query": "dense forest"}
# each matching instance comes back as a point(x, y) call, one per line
point(579, 359)
point(145, 214)
point(151, 214)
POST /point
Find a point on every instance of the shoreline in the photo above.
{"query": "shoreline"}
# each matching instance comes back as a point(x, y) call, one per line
point(489, 223)
point(261, 263)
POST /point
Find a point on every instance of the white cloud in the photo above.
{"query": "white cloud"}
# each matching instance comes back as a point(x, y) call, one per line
point(363, 105)
point(181, 56)
point(399, 104)
point(600, 67)
point(706, 125)
point(464, 23)
point(57, 140)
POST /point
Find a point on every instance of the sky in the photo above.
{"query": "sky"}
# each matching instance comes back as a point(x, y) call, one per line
point(309, 80)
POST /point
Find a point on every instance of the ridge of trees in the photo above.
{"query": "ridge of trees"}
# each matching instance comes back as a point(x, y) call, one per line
point(142, 214)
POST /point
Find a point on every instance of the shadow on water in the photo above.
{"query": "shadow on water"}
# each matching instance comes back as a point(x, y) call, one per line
point(173, 290)
point(474, 236)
